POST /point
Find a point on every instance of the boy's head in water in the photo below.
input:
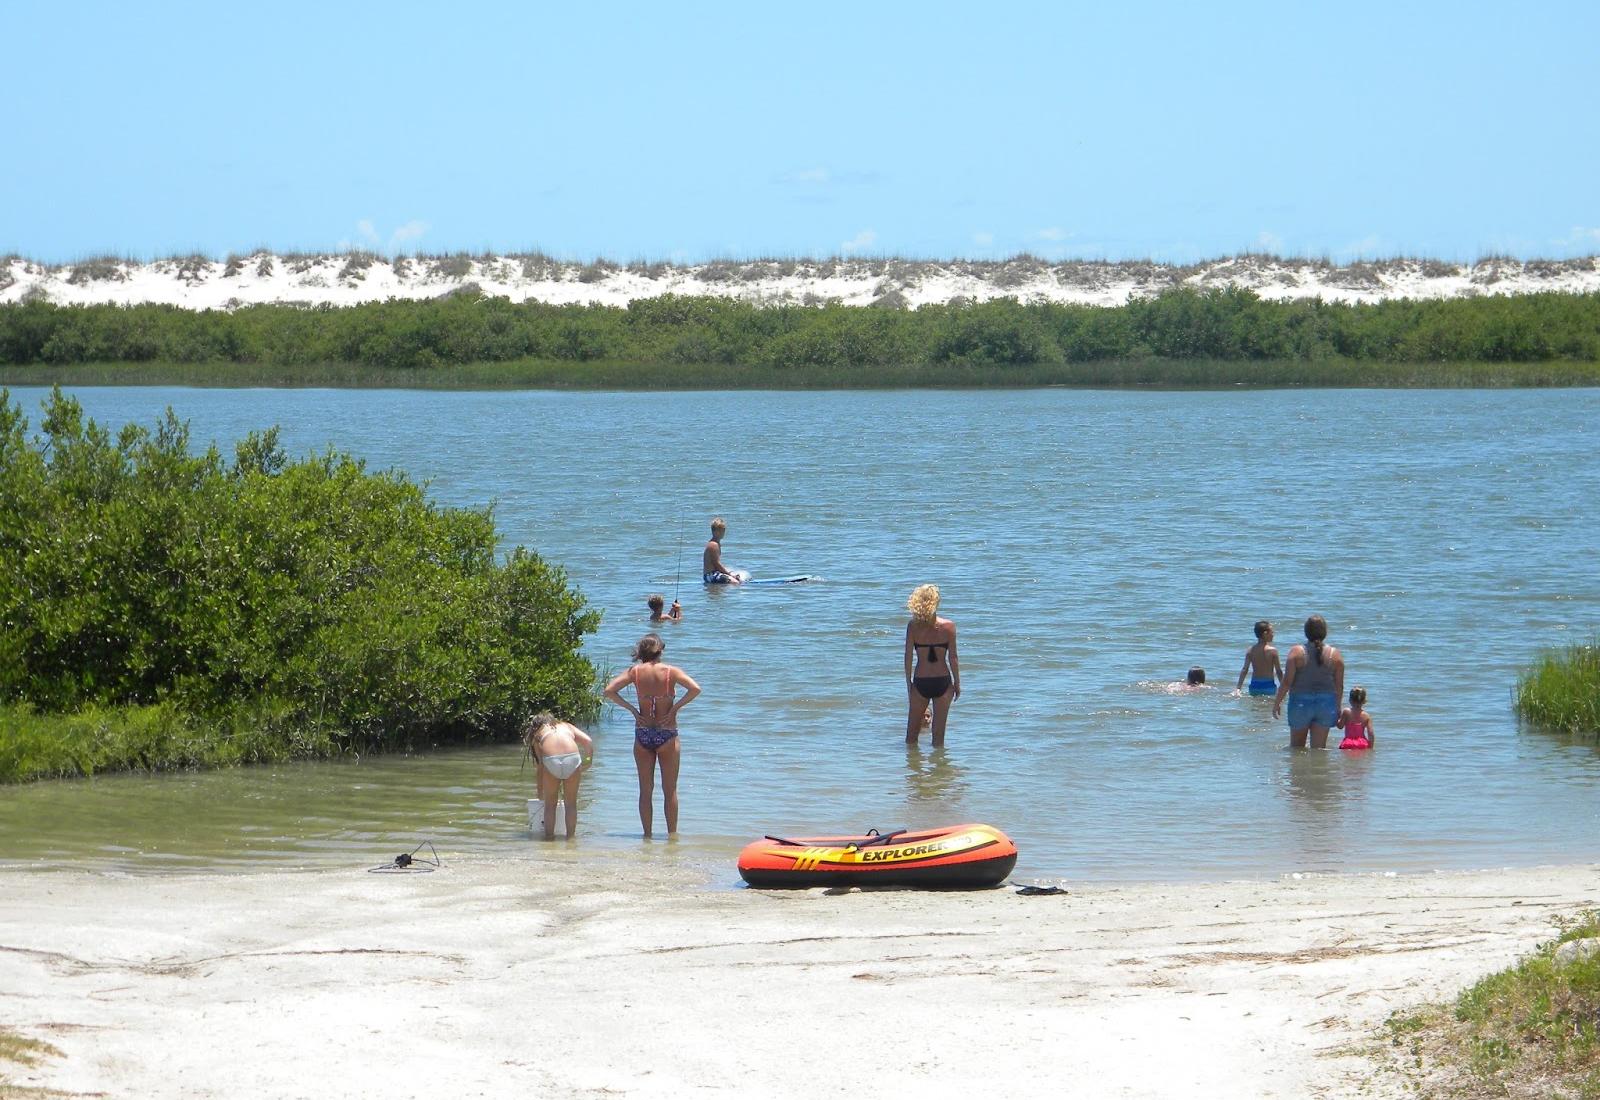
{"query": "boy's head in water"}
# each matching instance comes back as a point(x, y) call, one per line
point(659, 613)
point(1197, 675)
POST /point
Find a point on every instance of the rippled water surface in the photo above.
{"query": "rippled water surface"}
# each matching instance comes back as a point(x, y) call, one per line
point(1091, 546)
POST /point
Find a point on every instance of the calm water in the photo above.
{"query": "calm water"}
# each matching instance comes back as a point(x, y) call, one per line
point(1091, 546)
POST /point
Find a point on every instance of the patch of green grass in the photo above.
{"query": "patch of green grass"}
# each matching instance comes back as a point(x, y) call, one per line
point(1526, 1032)
point(1562, 691)
point(1401, 1026)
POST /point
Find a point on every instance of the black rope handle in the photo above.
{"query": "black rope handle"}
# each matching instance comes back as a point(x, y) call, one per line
point(409, 863)
point(873, 837)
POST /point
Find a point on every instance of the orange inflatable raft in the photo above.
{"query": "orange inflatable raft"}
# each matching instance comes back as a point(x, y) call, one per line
point(954, 857)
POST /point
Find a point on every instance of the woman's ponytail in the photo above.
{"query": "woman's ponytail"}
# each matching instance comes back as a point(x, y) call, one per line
point(1316, 630)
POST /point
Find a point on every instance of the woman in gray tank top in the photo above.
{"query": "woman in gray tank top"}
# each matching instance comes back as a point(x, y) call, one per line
point(1313, 679)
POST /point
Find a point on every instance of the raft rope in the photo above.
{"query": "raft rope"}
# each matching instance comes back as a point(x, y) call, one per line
point(407, 863)
point(873, 837)
point(678, 583)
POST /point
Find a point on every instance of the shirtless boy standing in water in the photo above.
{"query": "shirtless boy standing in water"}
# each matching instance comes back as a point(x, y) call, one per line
point(712, 571)
point(1261, 662)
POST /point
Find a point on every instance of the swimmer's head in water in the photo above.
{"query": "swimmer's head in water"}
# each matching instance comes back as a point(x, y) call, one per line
point(1197, 675)
point(656, 603)
point(1263, 629)
point(924, 603)
point(1358, 696)
point(718, 528)
point(650, 648)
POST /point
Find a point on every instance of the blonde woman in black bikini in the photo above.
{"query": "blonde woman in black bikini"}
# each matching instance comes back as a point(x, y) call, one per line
point(933, 672)
point(655, 724)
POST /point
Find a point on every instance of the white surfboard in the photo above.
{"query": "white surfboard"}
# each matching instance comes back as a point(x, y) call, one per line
point(798, 578)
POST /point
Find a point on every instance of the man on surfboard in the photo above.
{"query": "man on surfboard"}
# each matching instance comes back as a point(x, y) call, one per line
point(712, 571)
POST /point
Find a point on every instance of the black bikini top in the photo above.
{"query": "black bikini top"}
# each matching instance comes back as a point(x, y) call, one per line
point(930, 647)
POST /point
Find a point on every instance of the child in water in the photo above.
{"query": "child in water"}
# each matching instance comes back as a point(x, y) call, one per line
point(1356, 722)
point(560, 752)
point(656, 602)
point(1261, 662)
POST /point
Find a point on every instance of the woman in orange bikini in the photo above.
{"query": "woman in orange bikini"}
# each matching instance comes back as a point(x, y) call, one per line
point(655, 724)
point(933, 672)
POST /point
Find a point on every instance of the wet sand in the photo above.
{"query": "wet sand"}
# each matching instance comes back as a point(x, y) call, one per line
point(574, 973)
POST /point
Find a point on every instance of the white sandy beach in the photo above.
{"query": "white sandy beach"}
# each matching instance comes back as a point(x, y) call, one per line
point(348, 279)
point(582, 973)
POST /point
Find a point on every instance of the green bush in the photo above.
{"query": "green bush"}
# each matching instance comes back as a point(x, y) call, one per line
point(259, 608)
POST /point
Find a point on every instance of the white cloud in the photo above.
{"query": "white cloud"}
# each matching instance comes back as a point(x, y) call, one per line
point(983, 239)
point(368, 237)
point(1267, 241)
point(822, 178)
point(1054, 233)
point(410, 231)
point(1367, 247)
point(864, 239)
point(1580, 237)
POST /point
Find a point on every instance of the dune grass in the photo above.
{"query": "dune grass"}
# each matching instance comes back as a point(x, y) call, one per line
point(535, 374)
point(22, 1050)
point(18, 1050)
point(1561, 691)
point(1527, 1032)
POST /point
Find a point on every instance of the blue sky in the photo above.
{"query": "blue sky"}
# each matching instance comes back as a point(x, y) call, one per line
point(1173, 131)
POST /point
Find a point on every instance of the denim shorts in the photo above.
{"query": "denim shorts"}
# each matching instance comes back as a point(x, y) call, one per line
point(1320, 708)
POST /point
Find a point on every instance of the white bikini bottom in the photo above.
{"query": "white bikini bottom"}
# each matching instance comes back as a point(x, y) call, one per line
point(563, 765)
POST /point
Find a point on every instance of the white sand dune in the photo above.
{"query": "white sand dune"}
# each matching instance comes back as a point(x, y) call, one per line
point(577, 973)
point(203, 283)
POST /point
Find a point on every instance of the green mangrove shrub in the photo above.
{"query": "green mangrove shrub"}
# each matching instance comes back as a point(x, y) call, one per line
point(161, 599)
point(1179, 324)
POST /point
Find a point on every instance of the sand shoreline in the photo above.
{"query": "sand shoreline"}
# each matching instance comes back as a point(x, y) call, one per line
point(579, 973)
